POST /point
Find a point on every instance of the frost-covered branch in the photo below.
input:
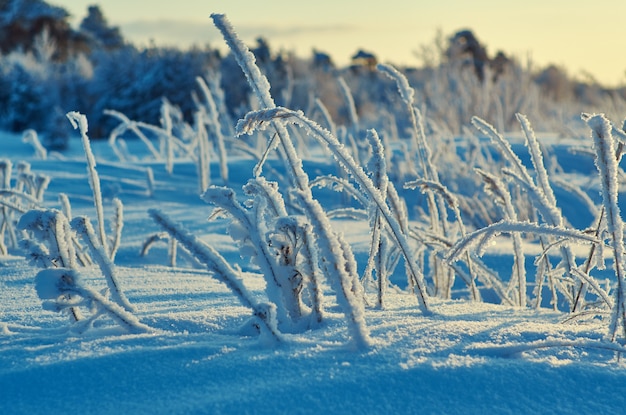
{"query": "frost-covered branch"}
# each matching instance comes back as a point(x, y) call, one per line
point(481, 237)
point(221, 270)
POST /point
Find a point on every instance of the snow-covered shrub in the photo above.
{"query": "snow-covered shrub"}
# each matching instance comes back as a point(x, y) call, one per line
point(50, 241)
point(26, 93)
point(137, 88)
point(35, 93)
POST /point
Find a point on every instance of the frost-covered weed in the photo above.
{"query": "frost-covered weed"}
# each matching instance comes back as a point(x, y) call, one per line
point(26, 193)
point(334, 256)
point(48, 239)
point(273, 241)
point(51, 242)
point(568, 279)
point(223, 271)
point(607, 164)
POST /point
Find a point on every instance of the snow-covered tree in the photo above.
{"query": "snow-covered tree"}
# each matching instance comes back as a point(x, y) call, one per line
point(21, 21)
point(96, 27)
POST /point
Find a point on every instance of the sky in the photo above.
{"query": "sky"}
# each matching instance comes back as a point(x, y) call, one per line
point(586, 38)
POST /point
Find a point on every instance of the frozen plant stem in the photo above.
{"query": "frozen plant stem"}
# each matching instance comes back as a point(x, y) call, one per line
point(606, 163)
point(79, 121)
point(334, 265)
point(83, 227)
point(213, 117)
point(495, 187)
point(204, 168)
point(221, 270)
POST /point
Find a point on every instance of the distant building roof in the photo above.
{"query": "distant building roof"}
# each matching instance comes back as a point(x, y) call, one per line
point(361, 54)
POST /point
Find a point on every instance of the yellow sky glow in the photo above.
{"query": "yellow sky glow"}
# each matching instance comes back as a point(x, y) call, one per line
point(583, 37)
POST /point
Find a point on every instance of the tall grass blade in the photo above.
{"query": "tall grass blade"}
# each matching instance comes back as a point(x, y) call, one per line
point(606, 163)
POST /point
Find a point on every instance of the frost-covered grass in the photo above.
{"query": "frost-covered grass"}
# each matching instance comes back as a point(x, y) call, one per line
point(451, 275)
point(467, 357)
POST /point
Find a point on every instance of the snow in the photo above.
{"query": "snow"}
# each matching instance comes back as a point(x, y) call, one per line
point(199, 358)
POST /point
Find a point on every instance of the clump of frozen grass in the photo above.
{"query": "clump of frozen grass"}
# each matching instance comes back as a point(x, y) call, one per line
point(177, 138)
point(330, 246)
point(542, 198)
point(26, 193)
point(495, 187)
point(49, 243)
point(384, 253)
point(441, 274)
point(260, 120)
point(275, 250)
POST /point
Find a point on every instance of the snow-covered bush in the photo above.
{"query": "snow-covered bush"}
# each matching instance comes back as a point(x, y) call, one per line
point(138, 87)
point(25, 91)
